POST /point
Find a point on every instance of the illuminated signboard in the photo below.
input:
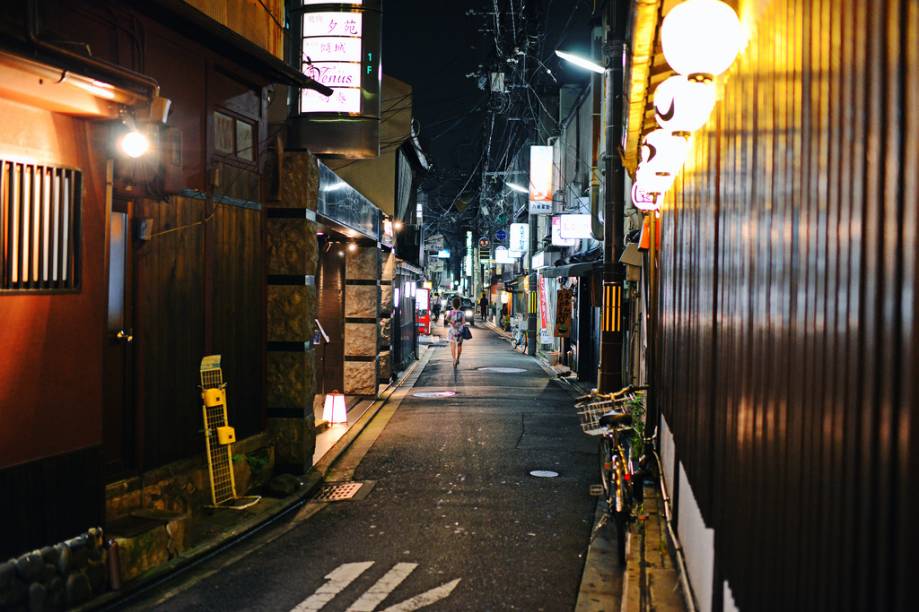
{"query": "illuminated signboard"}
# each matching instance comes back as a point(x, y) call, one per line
point(444, 253)
point(540, 180)
point(557, 239)
point(502, 256)
point(520, 238)
point(422, 301)
point(339, 48)
point(574, 226)
point(332, 54)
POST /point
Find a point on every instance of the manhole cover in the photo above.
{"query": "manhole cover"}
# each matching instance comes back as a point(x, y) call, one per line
point(502, 370)
point(337, 491)
point(544, 474)
point(434, 394)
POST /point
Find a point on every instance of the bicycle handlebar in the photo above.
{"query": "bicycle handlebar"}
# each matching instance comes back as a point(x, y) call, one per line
point(627, 390)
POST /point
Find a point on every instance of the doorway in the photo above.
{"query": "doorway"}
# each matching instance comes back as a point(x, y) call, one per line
point(119, 421)
point(331, 295)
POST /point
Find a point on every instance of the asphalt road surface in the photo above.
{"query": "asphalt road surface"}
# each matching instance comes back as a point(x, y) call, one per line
point(454, 521)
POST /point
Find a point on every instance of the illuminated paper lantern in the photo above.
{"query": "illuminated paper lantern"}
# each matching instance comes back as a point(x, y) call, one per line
point(652, 181)
point(334, 410)
point(682, 106)
point(701, 38)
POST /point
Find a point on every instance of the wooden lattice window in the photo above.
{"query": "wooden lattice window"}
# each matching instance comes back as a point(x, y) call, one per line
point(39, 227)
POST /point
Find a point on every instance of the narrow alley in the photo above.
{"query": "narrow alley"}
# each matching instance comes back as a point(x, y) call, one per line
point(452, 505)
point(676, 241)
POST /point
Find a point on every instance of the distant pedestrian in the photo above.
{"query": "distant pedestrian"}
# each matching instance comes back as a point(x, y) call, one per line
point(455, 318)
point(483, 306)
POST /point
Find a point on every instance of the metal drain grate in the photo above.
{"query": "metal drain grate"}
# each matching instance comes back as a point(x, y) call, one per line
point(337, 491)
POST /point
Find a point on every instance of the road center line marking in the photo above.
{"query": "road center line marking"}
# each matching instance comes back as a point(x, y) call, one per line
point(426, 598)
point(338, 580)
point(375, 595)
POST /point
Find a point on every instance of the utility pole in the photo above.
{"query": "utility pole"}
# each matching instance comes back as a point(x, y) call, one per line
point(533, 305)
point(610, 376)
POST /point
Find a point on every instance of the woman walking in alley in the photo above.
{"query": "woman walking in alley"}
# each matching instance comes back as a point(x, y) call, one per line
point(456, 319)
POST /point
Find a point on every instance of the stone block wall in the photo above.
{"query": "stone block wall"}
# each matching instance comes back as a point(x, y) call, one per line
point(56, 577)
point(387, 274)
point(292, 255)
point(183, 487)
point(362, 312)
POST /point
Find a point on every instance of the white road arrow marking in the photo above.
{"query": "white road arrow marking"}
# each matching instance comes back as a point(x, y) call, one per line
point(338, 580)
point(425, 599)
point(383, 587)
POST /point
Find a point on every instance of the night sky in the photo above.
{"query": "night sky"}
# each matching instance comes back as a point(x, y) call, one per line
point(433, 45)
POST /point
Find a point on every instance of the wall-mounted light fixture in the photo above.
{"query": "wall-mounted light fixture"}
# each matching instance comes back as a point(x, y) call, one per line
point(134, 143)
point(517, 188)
point(701, 38)
point(682, 106)
point(352, 246)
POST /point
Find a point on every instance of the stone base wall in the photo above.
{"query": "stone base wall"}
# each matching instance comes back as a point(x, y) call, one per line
point(362, 314)
point(56, 577)
point(184, 487)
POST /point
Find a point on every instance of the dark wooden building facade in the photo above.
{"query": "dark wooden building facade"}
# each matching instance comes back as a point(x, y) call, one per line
point(787, 368)
point(171, 254)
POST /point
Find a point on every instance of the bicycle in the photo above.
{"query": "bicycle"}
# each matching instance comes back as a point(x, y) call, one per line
point(622, 467)
point(519, 333)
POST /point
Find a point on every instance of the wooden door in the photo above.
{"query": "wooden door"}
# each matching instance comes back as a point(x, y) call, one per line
point(119, 419)
point(331, 289)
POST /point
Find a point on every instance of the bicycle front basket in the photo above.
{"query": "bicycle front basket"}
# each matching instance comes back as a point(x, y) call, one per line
point(589, 414)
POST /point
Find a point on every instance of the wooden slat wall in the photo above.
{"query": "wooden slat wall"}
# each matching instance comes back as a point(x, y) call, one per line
point(172, 307)
point(50, 500)
point(169, 330)
point(788, 299)
point(238, 313)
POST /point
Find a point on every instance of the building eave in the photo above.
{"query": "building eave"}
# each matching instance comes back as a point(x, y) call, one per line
point(643, 34)
point(188, 20)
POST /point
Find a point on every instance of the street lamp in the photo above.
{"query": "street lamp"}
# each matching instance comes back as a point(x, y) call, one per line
point(516, 187)
point(581, 61)
point(701, 38)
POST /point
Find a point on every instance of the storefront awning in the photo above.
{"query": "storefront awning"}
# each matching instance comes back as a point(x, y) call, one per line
point(62, 91)
point(575, 269)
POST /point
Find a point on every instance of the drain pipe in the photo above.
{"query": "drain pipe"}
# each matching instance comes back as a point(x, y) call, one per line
point(149, 84)
point(596, 88)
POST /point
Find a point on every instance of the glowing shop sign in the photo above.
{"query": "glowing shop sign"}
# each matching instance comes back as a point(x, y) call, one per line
point(502, 256)
point(520, 238)
point(574, 226)
point(540, 179)
point(332, 55)
point(557, 239)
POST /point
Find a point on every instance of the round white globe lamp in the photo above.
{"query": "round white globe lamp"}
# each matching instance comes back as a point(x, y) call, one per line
point(701, 38)
point(682, 106)
point(663, 151)
point(653, 181)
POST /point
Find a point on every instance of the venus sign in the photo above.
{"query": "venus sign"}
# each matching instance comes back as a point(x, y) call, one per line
point(339, 48)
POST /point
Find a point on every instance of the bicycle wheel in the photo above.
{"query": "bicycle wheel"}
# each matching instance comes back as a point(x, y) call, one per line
point(621, 534)
point(606, 467)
